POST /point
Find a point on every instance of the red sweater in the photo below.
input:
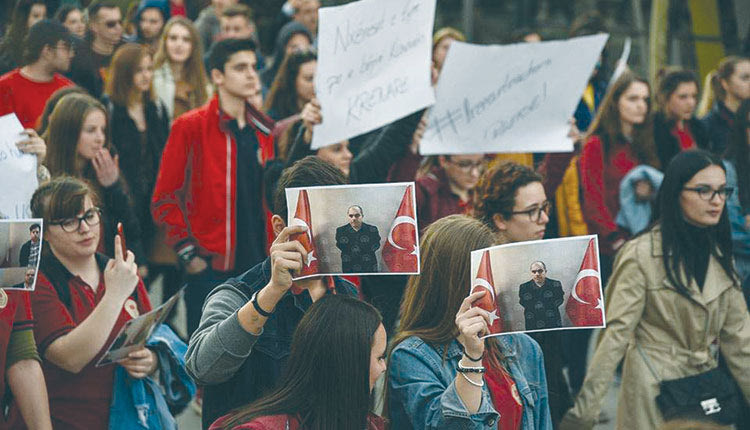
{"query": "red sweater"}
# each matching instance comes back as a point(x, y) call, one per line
point(600, 181)
point(26, 97)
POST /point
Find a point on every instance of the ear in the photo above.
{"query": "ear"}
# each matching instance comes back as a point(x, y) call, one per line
point(217, 78)
point(500, 222)
point(278, 224)
point(724, 84)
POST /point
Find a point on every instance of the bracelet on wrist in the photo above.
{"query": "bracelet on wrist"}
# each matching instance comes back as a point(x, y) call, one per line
point(472, 358)
point(256, 305)
point(469, 369)
point(476, 384)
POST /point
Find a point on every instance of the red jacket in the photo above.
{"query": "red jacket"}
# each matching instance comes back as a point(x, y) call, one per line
point(195, 193)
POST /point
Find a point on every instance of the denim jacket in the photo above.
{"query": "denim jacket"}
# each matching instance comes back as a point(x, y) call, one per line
point(141, 403)
point(740, 234)
point(422, 390)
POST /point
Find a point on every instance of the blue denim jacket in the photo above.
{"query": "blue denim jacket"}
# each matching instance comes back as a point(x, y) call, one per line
point(139, 404)
point(422, 390)
point(740, 234)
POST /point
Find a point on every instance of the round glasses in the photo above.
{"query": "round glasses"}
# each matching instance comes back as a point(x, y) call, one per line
point(535, 214)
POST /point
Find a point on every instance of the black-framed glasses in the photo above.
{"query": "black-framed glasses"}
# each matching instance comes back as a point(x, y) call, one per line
point(467, 166)
point(535, 214)
point(92, 217)
point(708, 193)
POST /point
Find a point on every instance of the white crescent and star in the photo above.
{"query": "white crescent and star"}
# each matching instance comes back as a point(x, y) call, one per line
point(481, 282)
point(396, 222)
point(585, 273)
point(311, 254)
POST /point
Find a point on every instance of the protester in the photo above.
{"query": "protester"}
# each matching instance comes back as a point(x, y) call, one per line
point(441, 42)
point(139, 129)
point(52, 103)
point(737, 165)
point(675, 126)
point(25, 90)
point(79, 147)
point(243, 341)
point(25, 14)
point(236, 22)
point(81, 301)
point(208, 191)
point(208, 24)
point(180, 80)
point(72, 18)
point(292, 37)
point(441, 374)
point(149, 19)
point(727, 86)
point(306, 13)
point(89, 67)
point(511, 201)
point(672, 299)
point(348, 336)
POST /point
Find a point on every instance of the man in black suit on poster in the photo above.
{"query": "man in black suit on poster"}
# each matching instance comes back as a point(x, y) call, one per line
point(358, 242)
point(541, 298)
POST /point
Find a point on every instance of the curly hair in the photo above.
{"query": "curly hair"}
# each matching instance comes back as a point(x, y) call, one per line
point(496, 191)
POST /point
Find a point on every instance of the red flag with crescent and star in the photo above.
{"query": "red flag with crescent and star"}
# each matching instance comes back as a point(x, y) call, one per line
point(302, 216)
point(400, 251)
point(485, 281)
point(585, 306)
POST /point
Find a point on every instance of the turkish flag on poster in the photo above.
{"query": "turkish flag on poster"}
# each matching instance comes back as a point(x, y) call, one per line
point(485, 281)
point(585, 306)
point(400, 251)
point(302, 216)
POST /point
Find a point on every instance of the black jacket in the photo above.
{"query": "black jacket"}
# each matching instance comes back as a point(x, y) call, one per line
point(718, 124)
point(358, 248)
point(667, 144)
point(541, 304)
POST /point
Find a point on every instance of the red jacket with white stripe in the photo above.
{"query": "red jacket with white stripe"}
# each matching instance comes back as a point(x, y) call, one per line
point(195, 193)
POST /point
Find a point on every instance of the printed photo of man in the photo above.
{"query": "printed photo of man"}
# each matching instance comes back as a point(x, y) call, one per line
point(358, 242)
point(541, 298)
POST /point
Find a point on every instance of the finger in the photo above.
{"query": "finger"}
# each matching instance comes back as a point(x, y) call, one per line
point(314, 101)
point(130, 258)
point(291, 266)
point(140, 353)
point(30, 132)
point(471, 298)
point(292, 229)
point(118, 248)
point(96, 163)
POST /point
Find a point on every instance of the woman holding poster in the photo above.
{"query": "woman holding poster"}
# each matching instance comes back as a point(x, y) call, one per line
point(442, 374)
point(674, 307)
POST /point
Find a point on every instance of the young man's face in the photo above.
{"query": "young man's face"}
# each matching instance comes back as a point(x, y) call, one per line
point(107, 25)
point(35, 235)
point(236, 27)
point(61, 53)
point(239, 77)
point(151, 23)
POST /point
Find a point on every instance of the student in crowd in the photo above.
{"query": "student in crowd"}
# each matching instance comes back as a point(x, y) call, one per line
point(445, 184)
point(673, 297)
point(737, 165)
point(25, 14)
point(675, 126)
point(89, 67)
point(82, 300)
point(236, 22)
point(149, 19)
point(208, 193)
point(243, 341)
point(24, 91)
point(511, 201)
point(726, 87)
point(139, 129)
point(52, 103)
point(306, 13)
point(79, 147)
point(441, 374)
point(441, 42)
point(72, 18)
point(347, 335)
point(180, 80)
point(208, 24)
point(292, 37)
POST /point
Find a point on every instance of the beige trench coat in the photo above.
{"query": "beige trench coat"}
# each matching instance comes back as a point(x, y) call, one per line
point(675, 333)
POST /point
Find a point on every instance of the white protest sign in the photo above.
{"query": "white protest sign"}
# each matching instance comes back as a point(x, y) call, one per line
point(17, 171)
point(373, 65)
point(511, 98)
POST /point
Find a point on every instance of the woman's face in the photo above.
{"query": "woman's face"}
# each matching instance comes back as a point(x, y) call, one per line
point(80, 243)
point(521, 227)
point(695, 208)
point(738, 84)
point(633, 103)
point(298, 42)
point(305, 82)
point(179, 45)
point(377, 355)
point(93, 134)
point(337, 154)
point(441, 51)
point(681, 103)
point(143, 74)
point(37, 13)
point(74, 23)
point(463, 171)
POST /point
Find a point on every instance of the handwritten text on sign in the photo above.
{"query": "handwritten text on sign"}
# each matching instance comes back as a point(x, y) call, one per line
point(17, 171)
point(373, 65)
point(514, 98)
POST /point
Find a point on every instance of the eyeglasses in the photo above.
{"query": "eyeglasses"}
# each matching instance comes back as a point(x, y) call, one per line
point(537, 271)
point(92, 217)
point(112, 24)
point(708, 193)
point(467, 166)
point(535, 214)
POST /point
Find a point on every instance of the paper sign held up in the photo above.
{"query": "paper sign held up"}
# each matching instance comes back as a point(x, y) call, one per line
point(373, 65)
point(17, 171)
point(510, 98)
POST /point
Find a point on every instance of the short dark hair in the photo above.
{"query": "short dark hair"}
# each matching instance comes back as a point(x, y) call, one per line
point(46, 32)
point(496, 191)
point(99, 5)
point(544, 266)
point(308, 172)
point(361, 212)
point(63, 11)
point(220, 52)
point(238, 10)
point(33, 226)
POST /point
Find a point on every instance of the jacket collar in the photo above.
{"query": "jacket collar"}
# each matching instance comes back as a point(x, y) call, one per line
point(253, 117)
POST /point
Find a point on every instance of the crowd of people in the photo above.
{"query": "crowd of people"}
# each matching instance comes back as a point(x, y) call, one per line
point(165, 137)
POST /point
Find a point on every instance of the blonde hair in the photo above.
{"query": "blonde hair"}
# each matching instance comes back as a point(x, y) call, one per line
point(712, 88)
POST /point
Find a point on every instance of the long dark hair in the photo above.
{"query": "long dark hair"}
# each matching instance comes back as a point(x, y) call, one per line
point(738, 152)
point(677, 240)
point(12, 44)
point(282, 97)
point(326, 383)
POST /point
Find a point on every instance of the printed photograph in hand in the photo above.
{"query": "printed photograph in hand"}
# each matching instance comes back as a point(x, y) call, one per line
point(356, 229)
point(20, 248)
point(540, 285)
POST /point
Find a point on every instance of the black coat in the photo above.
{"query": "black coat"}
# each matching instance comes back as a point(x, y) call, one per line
point(667, 144)
point(358, 248)
point(718, 124)
point(541, 304)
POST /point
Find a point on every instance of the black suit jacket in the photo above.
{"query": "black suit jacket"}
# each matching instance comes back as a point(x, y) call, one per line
point(541, 304)
point(358, 248)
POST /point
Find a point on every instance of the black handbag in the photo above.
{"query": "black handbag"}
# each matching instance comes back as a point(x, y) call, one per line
point(708, 396)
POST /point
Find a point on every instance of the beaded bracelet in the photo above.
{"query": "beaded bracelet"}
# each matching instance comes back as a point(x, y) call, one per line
point(476, 384)
point(468, 369)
